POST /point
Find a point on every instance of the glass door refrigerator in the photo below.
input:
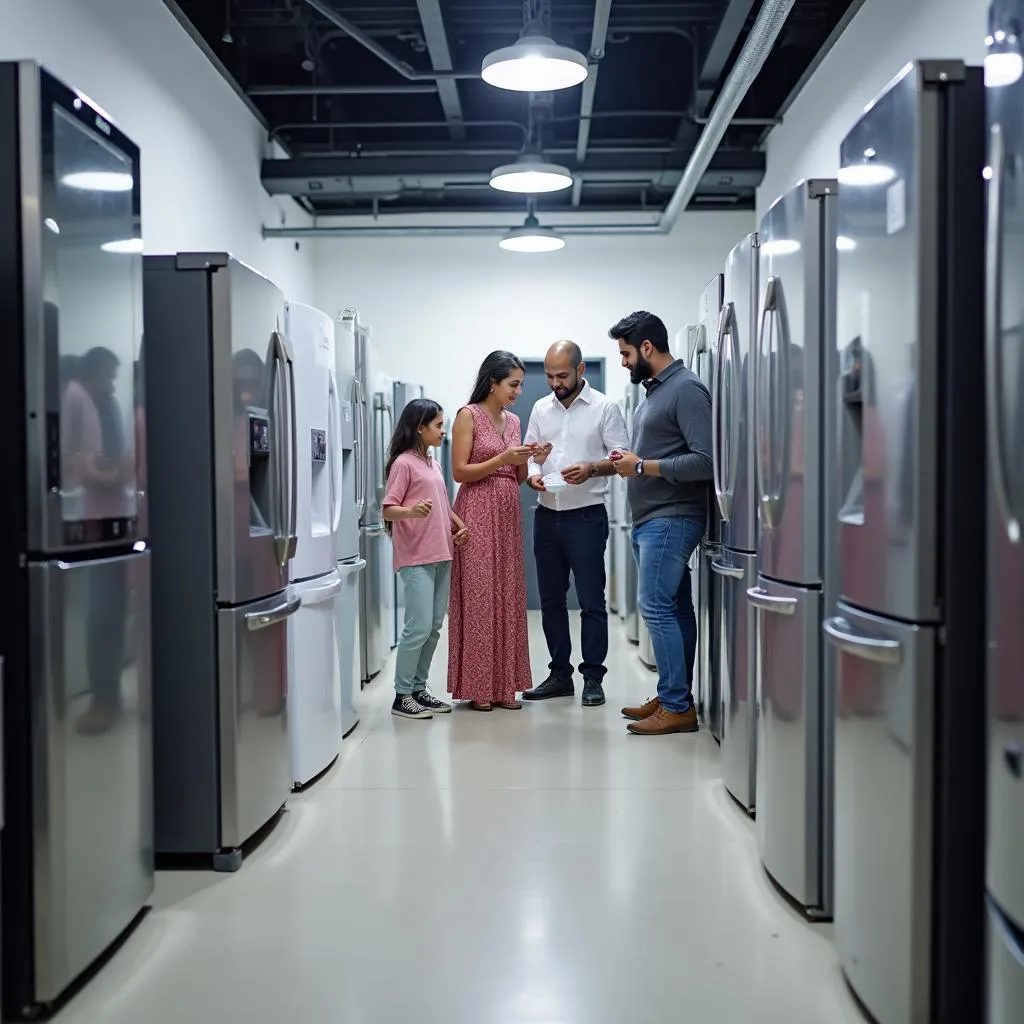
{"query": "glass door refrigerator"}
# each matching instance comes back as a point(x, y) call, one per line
point(909, 625)
point(78, 840)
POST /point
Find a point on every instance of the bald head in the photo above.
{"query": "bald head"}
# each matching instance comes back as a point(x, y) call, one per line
point(564, 353)
point(564, 368)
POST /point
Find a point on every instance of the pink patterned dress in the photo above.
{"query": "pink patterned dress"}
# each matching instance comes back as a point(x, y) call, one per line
point(488, 649)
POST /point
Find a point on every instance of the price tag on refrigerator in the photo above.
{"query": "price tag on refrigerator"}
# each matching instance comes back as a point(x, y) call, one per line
point(896, 207)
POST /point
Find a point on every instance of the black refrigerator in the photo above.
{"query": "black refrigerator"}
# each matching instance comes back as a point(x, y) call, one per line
point(77, 846)
point(908, 625)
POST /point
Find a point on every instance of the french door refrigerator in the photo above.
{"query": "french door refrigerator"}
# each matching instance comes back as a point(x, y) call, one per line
point(708, 602)
point(223, 505)
point(77, 845)
point(314, 670)
point(1005, 405)
point(909, 624)
point(733, 400)
point(403, 393)
point(351, 428)
point(797, 430)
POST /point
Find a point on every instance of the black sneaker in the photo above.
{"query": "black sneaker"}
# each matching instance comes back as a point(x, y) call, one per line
point(551, 687)
point(593, 694)
point(407, 706)
point(431, 703)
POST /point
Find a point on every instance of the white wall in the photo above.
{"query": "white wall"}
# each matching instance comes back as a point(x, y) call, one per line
point(201, 147)
point(882, 37)
point(438, 306)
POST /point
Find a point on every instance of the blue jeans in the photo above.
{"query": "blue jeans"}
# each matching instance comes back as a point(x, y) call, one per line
point(662, 548)
point(426, 602)
point(573, 540)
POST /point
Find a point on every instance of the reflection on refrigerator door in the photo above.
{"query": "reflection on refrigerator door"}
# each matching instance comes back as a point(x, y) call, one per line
point(909, 628)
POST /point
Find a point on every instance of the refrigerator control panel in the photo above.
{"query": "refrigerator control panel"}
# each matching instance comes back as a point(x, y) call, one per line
point(259, 434)
point(319, 445)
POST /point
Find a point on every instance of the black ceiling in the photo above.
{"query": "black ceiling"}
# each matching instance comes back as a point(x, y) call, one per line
point(364, 136)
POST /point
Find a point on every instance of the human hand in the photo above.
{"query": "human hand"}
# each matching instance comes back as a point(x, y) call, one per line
point(536, 483)
point(421, 509)
point(460, 537)
point(541, 452)
point(624, 462)
point(579, 473)
point(518, 456)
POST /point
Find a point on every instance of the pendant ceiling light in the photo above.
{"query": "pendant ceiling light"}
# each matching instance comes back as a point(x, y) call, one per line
point(531, 237)
point(1004, 64)
point(867, 174)
point(530, 175)
point(534, 63)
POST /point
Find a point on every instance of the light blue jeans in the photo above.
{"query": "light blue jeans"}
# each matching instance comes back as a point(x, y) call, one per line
point(426, 601)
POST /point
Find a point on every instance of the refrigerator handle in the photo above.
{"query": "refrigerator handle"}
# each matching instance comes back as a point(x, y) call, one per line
point(336, 456)
point(359, 445)
point(293, 451)
point(763, 389)
point(728, 570)
point(868, 648)
point(993, 331)
point(260, 620)
point(277, 476)
point(770, 603)
point(734, 421)
point(716, 415)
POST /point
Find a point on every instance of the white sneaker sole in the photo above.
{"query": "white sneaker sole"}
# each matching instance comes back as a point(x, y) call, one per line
point(412, 716)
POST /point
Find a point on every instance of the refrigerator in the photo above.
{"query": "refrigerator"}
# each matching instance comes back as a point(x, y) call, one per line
point(314, 669)
point(797, 428)
point(708, 601)
point(403, 393)
point(77, 843)
point(1005, 405)
point(733, 399)
point(630, 610)
point(351, 440)
point(221, 427)
point(444, 457)
point(909, 625)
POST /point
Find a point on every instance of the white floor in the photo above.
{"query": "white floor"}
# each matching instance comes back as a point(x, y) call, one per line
point(539, 867)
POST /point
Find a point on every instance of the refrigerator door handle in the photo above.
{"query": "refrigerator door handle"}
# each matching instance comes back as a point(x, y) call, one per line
point(260, 620)
point(776, 424)
point(277, 476)
point(734, 420)
point(375, 531)
point(335, 452)
point(764, 433)
point(766, 602)
point(993, 330)
point(351, 568)
point(359, 445)
point(293, 466)
point(716, 415)
point(728, 570)
point(321, 594)
point(868, 648)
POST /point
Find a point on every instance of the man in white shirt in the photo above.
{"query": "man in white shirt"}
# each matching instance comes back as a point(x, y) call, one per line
point(577, 427)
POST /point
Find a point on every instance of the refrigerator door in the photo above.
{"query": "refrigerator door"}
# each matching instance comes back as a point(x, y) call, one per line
point(709, 646)
point(375, 604)
point(883, 809)
point(792, 810)
point(255, 769)
point(1005, 983)
point(82, 387)
point(738, 573)
point(92, 793)
point(347, 633)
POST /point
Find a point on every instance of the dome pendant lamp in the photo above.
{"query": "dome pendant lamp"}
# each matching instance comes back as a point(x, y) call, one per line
point(531, 237)
point(535, 63)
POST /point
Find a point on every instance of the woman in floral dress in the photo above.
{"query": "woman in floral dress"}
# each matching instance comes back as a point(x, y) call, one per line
point(488, 649)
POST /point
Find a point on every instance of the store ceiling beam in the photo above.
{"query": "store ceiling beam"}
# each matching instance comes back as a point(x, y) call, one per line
point(441, 57)
point(598, 39)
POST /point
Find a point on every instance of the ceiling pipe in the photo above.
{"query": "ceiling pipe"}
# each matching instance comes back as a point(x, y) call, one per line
point(349, 125)
point(765, 31)
point(407, 71)
point(598, 38)
point(340, 90)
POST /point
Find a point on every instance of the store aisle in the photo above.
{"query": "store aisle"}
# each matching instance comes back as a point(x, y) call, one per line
point(538, 867)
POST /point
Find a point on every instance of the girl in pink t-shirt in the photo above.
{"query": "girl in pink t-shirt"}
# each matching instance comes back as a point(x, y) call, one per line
point(424, 532)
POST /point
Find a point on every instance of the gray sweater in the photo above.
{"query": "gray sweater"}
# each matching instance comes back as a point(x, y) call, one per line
point(673, 425)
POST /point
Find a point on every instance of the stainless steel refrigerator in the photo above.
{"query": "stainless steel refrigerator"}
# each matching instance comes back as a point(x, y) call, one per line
point(909, 627)
point(77, 844)
point(403, 393)
point(708, 603)
point(223, 504)
point(1005, 404)
point(797, 429)
point(733, 400)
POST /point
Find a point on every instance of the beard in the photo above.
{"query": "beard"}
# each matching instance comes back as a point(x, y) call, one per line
point(642, 371)
point(562, 392)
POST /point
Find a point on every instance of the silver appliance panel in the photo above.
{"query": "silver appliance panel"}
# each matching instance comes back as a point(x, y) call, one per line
point(883, 809)
point(92, 794)
point(1005, 955)
point(255, 755)
point(709, 624)
point(373, 606)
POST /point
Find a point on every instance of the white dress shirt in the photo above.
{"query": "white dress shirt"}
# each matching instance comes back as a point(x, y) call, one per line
point(585, 432)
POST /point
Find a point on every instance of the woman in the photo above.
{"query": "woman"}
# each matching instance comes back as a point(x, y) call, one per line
point(488, 650)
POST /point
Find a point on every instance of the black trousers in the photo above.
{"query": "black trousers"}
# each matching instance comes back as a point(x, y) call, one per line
point(573, 541)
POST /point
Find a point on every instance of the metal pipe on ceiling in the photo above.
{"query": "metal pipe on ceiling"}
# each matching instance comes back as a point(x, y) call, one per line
point(598, 38)
point(765, 31)
point(341, 90)
point(348, 125)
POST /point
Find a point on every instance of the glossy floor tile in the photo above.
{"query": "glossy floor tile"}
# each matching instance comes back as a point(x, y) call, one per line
point(533, 867)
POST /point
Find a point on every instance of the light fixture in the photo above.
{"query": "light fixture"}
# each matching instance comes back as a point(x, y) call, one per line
point(52, 225)
point(531, 237)
point(845, 244)
point(780, 247)
point(100, 181)
point(124, 246)
point(866, 174)
point(534, 63)
point(1004, 64)
point(530, 175)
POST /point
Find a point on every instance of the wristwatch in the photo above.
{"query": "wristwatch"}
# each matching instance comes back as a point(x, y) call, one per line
point(640, 467)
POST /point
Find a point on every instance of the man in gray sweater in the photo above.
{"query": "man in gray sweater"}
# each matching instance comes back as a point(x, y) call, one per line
point(668, 473)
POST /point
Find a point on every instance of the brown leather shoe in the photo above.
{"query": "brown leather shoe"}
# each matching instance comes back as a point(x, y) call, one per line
point(663, 722)
point(642, 712)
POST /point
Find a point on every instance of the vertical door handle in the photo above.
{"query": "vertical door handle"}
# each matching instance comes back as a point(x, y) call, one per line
point(716, 417)
point(335, 451)
point(293, 522)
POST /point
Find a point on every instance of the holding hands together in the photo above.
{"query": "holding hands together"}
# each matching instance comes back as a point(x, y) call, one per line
point(625, 462)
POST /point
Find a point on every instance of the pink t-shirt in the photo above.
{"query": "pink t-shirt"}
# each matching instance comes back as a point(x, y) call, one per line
point(419, 541)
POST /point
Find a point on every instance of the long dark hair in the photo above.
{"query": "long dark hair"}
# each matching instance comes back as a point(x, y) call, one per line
point(418, 413)
point(493, 370)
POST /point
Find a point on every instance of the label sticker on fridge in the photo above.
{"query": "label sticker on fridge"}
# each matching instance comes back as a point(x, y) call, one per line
point(896, 207)
point(323, 352)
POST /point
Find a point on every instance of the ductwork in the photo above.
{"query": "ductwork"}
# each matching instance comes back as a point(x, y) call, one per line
point(765, 31)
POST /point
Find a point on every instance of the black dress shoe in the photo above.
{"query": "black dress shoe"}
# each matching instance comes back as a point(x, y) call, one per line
point(593, 694)
point(551, 687)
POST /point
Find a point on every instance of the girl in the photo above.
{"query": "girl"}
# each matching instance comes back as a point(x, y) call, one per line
point(488, 650)
point(423, 530)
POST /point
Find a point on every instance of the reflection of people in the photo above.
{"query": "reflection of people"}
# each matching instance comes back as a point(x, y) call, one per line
point(248, 388)
point(668, 479)
point(423, 529)
point(578, 427)
point(488, 648)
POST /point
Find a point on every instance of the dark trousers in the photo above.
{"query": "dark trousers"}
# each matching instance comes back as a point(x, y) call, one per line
point(573, 541)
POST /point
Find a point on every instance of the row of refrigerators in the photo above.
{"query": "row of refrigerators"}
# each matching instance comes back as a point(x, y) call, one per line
point(193, 552)
point(859, 591)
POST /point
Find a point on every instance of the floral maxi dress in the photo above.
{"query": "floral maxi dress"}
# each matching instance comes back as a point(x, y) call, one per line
point(488, 648)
